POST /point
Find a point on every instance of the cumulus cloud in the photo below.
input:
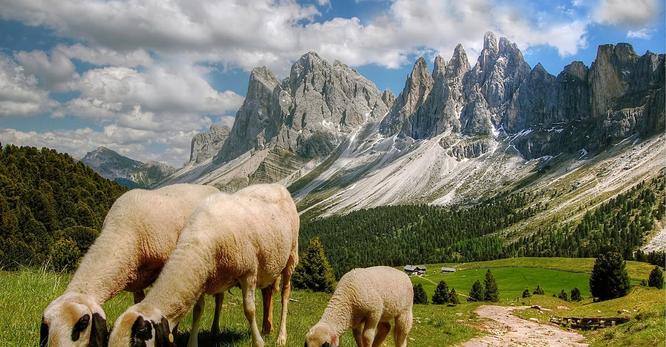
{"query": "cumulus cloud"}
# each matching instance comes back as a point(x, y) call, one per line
point(54, 72)
point(19, 93)
point(634, 13)
point(274, 33)
point(105, 56)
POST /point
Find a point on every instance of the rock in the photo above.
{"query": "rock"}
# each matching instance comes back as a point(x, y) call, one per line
point(206, 144)
point(536, 307)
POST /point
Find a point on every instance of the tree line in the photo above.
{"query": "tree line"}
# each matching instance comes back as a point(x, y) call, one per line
point(51, 207)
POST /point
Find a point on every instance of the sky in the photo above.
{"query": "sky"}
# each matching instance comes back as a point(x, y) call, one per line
point(143, 77)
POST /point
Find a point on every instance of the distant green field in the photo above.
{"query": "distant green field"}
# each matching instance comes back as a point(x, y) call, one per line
point(24, 294)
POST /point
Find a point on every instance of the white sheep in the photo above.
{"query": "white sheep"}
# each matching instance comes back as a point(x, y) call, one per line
point(366, 300)
point(138, 235)
point(249, 238)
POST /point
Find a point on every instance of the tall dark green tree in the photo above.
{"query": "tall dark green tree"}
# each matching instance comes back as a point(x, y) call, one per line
point(476, 293)
point(656, 278)
point(441, 295)
point(420, 296)
point(453, 297)
point(491, 292)
point(575, 295)
point(609, 278)
point(314, 272)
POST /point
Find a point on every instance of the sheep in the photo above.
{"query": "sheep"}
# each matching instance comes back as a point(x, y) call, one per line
point(366, 300)
point(138, 235)
point(249, 238)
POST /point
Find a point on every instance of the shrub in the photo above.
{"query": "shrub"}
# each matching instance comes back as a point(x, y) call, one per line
point(314, 272)
point(491, 293)
point(453, 297)
point(526, 293)
point(538, 290)
point(420, 297)
point(656, 278)
point(563, 295)
point(609, 277)
point(476, 293)
point(64, 255)
point(575, 295)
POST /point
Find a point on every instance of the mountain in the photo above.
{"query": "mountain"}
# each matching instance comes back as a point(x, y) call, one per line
point(457, 134)
point(205, 145)
point(126, 171)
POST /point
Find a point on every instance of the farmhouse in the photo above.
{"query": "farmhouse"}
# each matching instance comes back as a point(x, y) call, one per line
point(418, 270)
point(448, 269)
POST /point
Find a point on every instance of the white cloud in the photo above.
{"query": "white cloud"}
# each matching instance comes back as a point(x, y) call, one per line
point(19, 92)
point(632, 13)
point(643, 33)
point(54, 72)
point(106, 56)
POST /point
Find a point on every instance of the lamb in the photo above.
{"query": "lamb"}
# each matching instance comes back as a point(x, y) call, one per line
point(366, 300)
point(249, 238)
point(138, 235)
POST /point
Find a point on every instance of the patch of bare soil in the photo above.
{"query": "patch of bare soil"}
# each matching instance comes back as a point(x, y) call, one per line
point(505, 329)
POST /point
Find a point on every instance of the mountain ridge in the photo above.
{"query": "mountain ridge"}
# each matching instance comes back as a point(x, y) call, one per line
point(124, 170)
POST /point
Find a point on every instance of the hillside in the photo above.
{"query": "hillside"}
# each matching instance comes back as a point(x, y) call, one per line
point(126, 171)
point(50, 205)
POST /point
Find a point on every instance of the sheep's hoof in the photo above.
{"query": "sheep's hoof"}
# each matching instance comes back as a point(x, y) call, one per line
point(281, 340)
point(266, 330)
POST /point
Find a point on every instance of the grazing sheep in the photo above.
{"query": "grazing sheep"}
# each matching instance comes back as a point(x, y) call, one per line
point(366, 300)
point(139, 233)
point(249, 238)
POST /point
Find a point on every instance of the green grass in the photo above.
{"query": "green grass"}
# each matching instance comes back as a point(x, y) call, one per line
point(24, 294)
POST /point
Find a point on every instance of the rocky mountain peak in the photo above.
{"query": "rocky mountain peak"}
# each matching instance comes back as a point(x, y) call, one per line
point(206, 144)
point(490, 42)
point(388, 98)
point(576, 69)
point(458, 65)
point(439, 69)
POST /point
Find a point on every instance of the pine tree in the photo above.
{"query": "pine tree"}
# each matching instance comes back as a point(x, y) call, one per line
point(538, 290)
point(491, 293)
point(563, 295)
point(314, 272)
point(453, 297)
point(476, 293)
point(441, 295)
point(609, 277)
point(656, 278)
point(575, 295)
point(420, 296)
point(526, 293)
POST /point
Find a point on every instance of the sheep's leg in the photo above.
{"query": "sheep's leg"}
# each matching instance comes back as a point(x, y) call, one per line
point(403, 325)
point(215, 328)
point(196, 320)
point(286, 292)
point(138, 296)
point(382, 330)
point(370, 331)
point(358, 334)
point(267, 299)
point(248, 287)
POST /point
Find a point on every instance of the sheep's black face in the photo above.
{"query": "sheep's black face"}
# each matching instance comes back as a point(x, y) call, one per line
point(72, 325)
point(145, 332)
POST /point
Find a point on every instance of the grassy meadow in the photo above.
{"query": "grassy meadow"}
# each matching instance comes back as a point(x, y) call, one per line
point(25, 293)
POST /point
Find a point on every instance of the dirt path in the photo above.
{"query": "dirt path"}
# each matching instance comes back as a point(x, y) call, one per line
point(505, 329)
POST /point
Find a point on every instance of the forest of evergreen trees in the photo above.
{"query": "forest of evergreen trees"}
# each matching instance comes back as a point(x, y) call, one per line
point(421, 234)
point(398, 235)
point(49, 204)
point(620, 224)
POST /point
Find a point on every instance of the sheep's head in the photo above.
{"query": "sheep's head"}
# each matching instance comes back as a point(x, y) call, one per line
point(73, 320)
point(142, 325)
point(321, 335)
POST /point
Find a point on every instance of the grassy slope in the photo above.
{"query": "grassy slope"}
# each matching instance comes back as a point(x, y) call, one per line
point(24, 294)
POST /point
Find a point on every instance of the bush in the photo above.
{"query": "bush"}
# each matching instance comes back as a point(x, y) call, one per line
point(441, 295)
point(575, 295)
point(609, 277)
point(64, 254)
point(563, 295)
point(491, 293)
point(476, 293)
point(420, 297)
point(453, 297)
point(656, 278)
point(538, 290)
point(314, 272)
point(82, 236)
point(526, 293)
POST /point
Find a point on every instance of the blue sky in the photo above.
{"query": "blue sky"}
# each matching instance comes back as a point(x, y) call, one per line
point(143, 77)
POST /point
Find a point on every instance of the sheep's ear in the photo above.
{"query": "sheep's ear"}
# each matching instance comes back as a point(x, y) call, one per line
point(80, 326)
point(142, 331)
point(43, 334)
point(163, 336)
point(326, 344)
point(98, 332)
